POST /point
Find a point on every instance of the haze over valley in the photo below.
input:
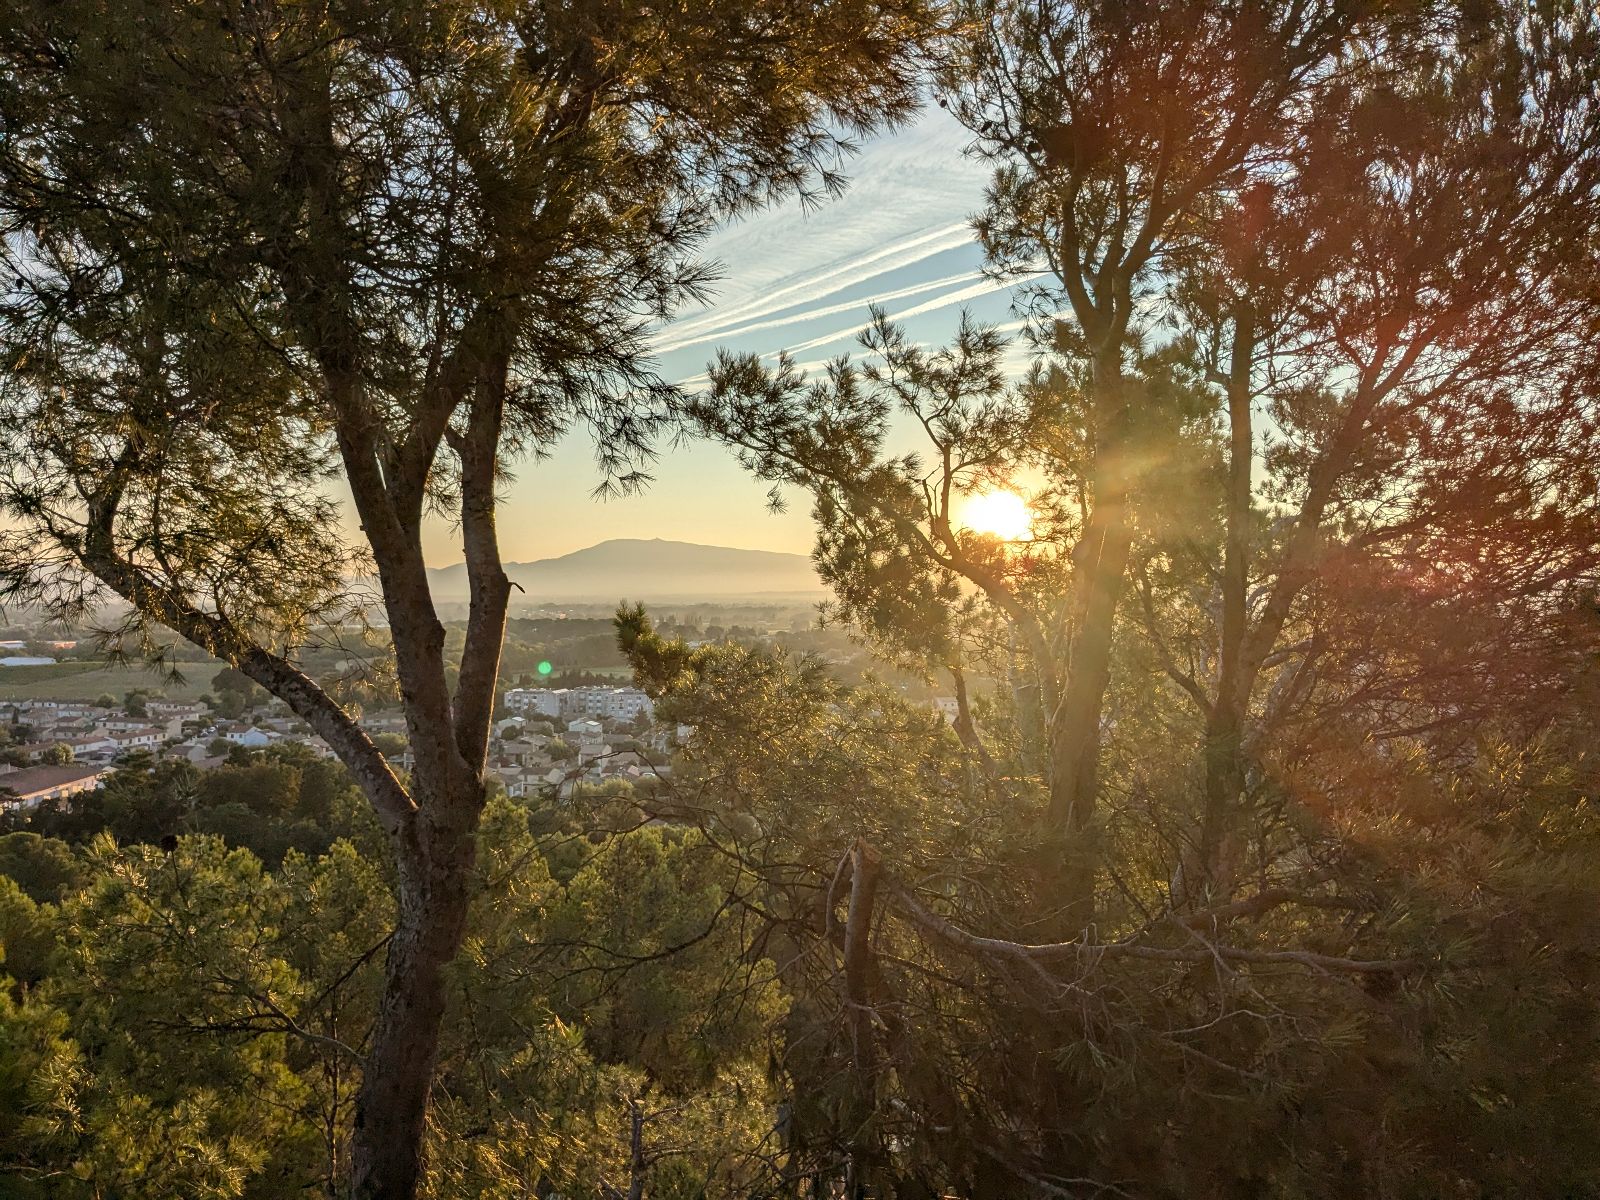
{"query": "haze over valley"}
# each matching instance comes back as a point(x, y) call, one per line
point(650, 570)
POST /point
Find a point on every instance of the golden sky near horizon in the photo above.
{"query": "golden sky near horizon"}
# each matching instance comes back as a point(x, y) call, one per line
point(792, 279)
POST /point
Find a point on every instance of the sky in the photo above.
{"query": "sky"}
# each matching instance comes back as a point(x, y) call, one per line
point(792, 279)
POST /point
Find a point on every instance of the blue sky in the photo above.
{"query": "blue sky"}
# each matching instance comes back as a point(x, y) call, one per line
point(792, 279)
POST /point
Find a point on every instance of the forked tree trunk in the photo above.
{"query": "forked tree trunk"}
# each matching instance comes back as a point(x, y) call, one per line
point(433, 842)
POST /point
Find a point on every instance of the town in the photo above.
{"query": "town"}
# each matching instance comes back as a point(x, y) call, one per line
point(544, 740)
point(556, 730)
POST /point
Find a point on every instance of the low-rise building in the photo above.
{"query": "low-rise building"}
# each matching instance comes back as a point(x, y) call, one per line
point(121, 723)
point(83, 748)
point(35, 785)
point(383, 722)
point(171, 710)
point(141, 737)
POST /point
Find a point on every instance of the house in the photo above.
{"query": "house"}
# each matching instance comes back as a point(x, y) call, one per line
point(517, 781)
point(35, 785)
point(525, 749)
point(164, 725)
point(198, 753)
point(169, 710)
point(947, 707)
point(144, 737)
point(82, 748)
point(251, 737)
point(383, 722)
point(121, 723)
point(37, 711)
point(50, 729)
point(585, 727)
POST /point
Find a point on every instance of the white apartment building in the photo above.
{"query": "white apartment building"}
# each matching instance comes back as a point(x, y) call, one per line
point(543, 702)
point(602, 703)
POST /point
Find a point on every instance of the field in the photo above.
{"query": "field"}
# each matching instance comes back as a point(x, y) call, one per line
point(87, 680)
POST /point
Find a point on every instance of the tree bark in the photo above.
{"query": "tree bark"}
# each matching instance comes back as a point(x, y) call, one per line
point(638, 1164)
point(865, 863)
point(1100, 570)
point(434, 849)
point(386, 1157)
point(1224, 734)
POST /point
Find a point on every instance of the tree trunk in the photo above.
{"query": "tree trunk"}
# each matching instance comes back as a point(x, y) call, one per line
point(1075, 725)
point(1224, 747)
point(858, 997)
point(1100, 566)
point(1224, 787)
point(638, 1164)
point(386, 1152)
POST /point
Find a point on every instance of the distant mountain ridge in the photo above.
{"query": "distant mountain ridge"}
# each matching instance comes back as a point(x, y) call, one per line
point(648, 569)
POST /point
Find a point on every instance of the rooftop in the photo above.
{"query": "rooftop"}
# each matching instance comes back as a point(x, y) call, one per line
point(33, 780)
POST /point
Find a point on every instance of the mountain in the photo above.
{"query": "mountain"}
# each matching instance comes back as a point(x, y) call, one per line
point(637, 569)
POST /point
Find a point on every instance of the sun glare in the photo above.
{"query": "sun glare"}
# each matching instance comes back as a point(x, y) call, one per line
point(1003, 515)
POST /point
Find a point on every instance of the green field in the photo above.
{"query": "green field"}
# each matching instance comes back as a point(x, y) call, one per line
point(87, 680)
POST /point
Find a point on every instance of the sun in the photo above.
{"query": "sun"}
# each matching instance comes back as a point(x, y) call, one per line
point(1003, 515)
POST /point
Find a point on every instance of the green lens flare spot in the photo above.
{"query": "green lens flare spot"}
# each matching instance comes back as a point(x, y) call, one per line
point(545, 668)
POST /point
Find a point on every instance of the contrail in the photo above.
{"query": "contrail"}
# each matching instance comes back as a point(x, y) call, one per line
point(813, 313)
point(982, 288)
point(947, 237)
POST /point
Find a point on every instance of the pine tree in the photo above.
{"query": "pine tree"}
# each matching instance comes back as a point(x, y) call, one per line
point(252, 248)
